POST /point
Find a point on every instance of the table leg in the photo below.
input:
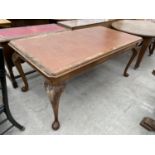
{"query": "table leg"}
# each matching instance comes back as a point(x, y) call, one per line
point(6, 105)
point(151, 49)
point(17, 62)
point(142, 51)
point(134, 54)
point(11, 74)
point(54, 93)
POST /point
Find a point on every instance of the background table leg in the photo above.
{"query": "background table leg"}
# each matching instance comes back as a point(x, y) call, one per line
point(145, 45)
point(151, 48)
point(134, 54)
point(11, 75)
point(17, 62)
point(5, 104)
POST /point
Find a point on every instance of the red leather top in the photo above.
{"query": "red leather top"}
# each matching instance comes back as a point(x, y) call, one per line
point(8, 34)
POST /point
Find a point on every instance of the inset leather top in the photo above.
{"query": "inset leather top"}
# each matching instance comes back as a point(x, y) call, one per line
point(8, 34)
point(137, 27)
point(60, 53)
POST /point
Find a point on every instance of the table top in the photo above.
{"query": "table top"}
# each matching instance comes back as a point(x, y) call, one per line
point(82, 22)
point(61, 53)
point(8, 34)
point(137, 27)
point(4, 22)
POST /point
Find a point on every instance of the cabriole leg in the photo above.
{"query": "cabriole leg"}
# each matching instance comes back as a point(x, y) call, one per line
point(134, 54)
point(11, 75)
point(17, 62)
point(145, 45)
point(54, 93)
point(151, 48)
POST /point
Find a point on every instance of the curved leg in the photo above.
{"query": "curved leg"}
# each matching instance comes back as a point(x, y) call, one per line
point(134, 54)
point(142, 51)
point(6, 105)
point(12, 120)
point(54, 93)
point(11, 75)
point(17, 62)
point(151, 48)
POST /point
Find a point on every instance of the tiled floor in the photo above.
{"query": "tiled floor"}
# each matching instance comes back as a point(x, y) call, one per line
point(100, 101)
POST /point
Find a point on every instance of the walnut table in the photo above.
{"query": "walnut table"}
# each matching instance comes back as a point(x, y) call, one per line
point(142, 28)
point(62, 56)
point(8, 34)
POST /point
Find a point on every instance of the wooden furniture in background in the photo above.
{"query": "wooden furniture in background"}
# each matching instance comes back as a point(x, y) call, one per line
point(58, 20)
point(85, 23)
point(62, 56)
point(142, 28)
point(5, 23)
point(152, 47)
point(28, 22)
point(15, 33)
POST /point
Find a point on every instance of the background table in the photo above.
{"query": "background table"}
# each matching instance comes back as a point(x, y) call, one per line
point(5, 23)
point(8, 34)
point(85, 23)
point(142, 28)
point(28, 22)
point(79, 51)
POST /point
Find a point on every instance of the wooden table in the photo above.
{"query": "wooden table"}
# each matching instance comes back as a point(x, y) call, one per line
point(85, 23)
point(142, 28)
point(8, 34)
point(62, 56)
point(5, 23)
